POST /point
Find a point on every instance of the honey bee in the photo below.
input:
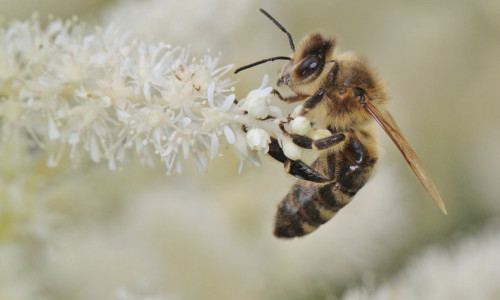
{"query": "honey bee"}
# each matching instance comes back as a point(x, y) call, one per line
point(344, 95)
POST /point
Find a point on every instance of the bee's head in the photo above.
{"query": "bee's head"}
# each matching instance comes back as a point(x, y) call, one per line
point(307, 62)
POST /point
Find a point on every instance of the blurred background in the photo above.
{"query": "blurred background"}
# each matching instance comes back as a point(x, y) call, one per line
point(91, 233)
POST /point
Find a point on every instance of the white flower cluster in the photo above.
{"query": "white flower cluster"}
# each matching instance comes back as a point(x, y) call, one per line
point(109, 96)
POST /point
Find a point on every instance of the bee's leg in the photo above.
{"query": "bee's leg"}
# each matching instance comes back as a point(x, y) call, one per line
point(346, 172)
point(295, 168)
point(302, 171)
point(291, 99)
point(308, 143)
point(324, 143)
point(307, 206)
point(276, 152)
point(311, 103)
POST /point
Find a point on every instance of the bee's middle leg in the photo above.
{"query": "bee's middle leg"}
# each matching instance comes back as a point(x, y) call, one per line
point(296, 168)
point(321, 144)
point(308, 143)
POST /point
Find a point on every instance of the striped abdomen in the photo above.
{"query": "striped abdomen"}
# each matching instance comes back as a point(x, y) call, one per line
point(308, 205)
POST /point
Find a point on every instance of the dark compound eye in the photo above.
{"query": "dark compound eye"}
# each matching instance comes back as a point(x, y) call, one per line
point(308, 66)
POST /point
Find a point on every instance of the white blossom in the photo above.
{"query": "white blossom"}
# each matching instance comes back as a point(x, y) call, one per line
point(317, 134)
point(300, 125)
point(291, 150)
point(258, 101)
point(258, 139)
point(258, 107)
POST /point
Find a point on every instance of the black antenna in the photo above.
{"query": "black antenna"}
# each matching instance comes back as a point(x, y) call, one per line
point(261, 62)
point(272, 58)
point(280, 27)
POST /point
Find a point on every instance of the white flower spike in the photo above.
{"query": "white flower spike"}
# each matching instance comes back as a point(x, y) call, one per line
point(106, 95)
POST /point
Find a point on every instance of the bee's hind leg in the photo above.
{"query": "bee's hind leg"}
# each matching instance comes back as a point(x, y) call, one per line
point(276, 152)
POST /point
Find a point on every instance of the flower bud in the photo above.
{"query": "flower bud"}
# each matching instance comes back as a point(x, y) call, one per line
point(300, 125)
point(318, 134)
point(258, 139)
point(258, 107)
point(291, 150)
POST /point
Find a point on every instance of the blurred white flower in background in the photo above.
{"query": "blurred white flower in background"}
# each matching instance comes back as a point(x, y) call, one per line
point(467, 269)
point(141, 291)
point(209, 24)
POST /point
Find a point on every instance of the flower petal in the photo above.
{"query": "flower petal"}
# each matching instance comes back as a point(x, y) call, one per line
point(214, 145)
point(265, 80)
point(228, 132)
point(210, 94)
point(53, 131)
point(228, 102)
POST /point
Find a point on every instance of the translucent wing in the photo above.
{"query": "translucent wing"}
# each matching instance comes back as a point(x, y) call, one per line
point(385, 120)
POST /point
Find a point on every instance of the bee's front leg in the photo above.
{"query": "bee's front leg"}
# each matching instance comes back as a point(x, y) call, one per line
point(308, 105)
point(312, 102)
point(290, 99)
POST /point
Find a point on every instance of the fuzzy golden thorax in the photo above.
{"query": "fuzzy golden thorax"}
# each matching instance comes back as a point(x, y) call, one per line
point(315, 64)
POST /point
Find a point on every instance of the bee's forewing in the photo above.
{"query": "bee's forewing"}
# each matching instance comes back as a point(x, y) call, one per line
point(389, 125)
